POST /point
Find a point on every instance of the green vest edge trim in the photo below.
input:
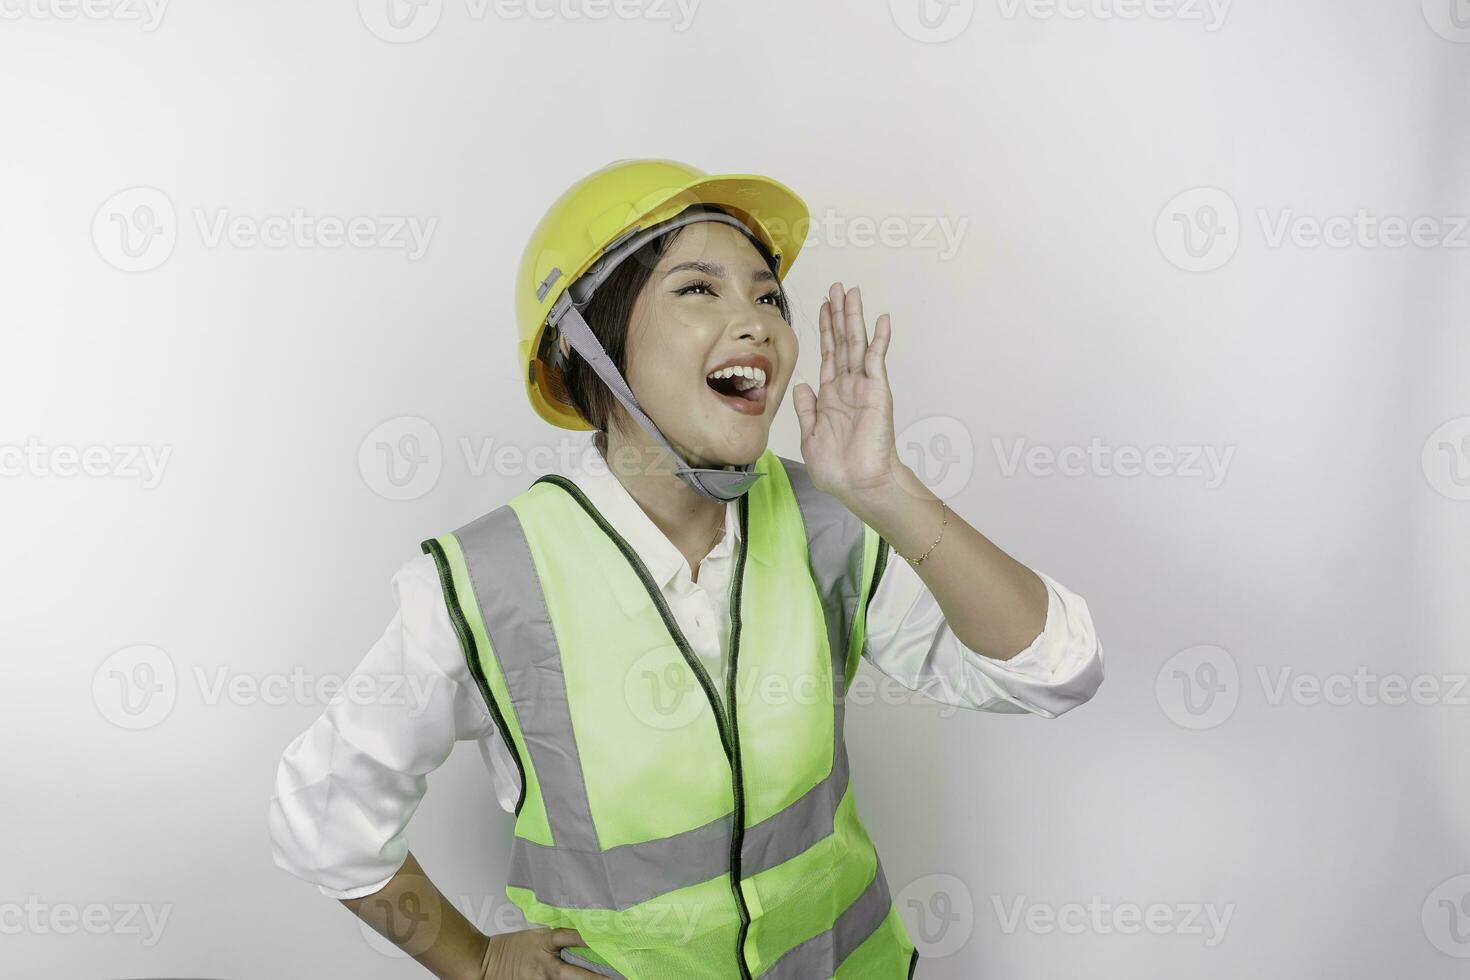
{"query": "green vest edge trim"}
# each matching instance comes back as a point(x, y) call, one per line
point(435, 548)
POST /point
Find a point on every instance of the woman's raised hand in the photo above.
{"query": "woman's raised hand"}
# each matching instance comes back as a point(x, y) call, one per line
point(847, 439)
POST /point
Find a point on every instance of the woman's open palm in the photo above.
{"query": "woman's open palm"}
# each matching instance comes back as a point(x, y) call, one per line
point(847, 439)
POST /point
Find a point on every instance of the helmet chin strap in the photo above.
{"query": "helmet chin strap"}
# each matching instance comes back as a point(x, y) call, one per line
point(722, 484)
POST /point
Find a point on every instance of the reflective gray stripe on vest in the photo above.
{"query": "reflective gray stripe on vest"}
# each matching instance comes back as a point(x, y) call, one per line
point(626, 875)
point(821, 955)
point(834, 542)
point(508, 592)
point(572, 872)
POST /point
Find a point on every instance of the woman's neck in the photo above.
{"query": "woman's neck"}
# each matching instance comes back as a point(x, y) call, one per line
point(689, 520)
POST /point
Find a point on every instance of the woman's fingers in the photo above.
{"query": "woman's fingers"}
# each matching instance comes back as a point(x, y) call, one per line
point(857, 330)
point(561, 969)
point(835, 296)
point(825, 338)
point(843, 327)
point(557, 938)
point(878, 349)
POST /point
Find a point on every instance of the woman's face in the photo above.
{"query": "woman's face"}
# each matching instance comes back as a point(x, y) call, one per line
point(711, 302)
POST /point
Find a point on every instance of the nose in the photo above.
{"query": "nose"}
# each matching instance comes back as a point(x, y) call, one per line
point(748, 320)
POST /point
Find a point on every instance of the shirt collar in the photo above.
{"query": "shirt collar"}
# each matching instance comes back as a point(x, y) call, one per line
point(663, 561)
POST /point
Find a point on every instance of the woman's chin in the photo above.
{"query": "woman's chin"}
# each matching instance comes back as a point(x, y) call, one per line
point(726, 449)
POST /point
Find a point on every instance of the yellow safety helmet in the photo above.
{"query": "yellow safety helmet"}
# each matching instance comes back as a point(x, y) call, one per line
point(605, 211)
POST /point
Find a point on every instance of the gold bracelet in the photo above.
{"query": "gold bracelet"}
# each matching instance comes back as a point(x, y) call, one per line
point(914, 561)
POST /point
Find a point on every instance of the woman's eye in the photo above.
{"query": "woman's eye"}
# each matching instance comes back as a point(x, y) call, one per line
point(773, 297)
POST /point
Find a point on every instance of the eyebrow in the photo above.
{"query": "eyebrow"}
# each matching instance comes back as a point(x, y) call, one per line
point(718, 271)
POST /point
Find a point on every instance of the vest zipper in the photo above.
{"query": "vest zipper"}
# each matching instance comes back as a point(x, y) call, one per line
point(726, 725)
point(737, 780)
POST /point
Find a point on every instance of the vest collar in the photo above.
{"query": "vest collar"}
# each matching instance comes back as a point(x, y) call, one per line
point(619, 509)
point(621, 512)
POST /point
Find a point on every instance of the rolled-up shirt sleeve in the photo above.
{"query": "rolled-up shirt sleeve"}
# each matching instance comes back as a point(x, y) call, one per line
point(909, 640)
point(346, 787)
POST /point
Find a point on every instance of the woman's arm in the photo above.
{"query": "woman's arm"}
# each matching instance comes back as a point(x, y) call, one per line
point(348, 785)
point(414, 915)
point(995, 604)
point(909, 639)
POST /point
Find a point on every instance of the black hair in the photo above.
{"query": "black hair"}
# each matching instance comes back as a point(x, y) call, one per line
point(609, 313)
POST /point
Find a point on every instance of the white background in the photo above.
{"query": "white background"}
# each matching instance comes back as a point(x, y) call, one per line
point(1057, 140)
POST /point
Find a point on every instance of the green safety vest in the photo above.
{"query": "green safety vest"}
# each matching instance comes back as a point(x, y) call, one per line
point(683, 836)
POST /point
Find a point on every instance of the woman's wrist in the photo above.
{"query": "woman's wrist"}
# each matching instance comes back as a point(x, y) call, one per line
point(485, 945)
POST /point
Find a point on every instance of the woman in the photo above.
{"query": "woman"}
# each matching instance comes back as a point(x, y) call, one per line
point(656, 656)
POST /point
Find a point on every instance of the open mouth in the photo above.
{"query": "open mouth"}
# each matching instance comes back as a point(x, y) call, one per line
point(742, 388)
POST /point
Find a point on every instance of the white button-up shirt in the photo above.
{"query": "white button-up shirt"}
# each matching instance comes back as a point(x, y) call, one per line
point(347, 786)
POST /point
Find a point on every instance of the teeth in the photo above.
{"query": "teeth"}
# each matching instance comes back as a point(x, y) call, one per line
point(753, 377)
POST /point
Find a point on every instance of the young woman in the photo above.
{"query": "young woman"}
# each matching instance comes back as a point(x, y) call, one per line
point(655, 653)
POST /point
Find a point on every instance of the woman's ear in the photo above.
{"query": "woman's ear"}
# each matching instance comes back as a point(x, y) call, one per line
point(566, 350)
